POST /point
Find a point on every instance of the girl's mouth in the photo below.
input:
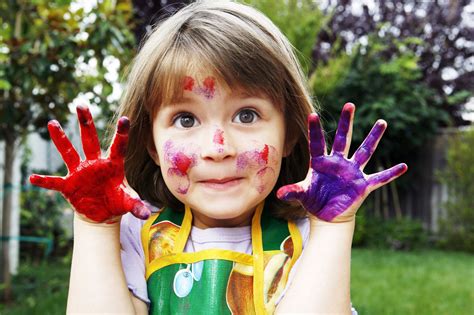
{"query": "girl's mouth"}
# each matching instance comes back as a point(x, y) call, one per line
point(221, 184)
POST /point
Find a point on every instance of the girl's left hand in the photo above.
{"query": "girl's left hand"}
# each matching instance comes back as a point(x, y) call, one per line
point(336, 186)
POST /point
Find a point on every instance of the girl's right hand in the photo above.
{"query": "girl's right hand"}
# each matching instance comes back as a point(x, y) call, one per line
point(94, 187)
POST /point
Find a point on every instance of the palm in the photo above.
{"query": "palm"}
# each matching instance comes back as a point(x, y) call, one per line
point(336, 185)
point(94, 187)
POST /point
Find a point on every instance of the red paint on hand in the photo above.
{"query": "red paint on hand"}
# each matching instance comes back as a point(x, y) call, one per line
point(94, 187)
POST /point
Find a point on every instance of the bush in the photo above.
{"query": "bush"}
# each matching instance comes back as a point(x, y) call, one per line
point(396, 234)
point(42, 215)
point(457, 227)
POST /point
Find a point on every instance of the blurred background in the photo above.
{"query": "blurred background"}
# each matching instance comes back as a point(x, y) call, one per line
point(410, 62)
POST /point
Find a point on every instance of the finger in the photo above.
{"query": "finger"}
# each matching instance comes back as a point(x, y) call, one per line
point(384, 177)
point(64, 146)
point(140, 210)
point(367, 148)
point(291, 192)
point(343, 136)
point(317, 145)
point(90, 141)
point(119, 145)
point(48, 182)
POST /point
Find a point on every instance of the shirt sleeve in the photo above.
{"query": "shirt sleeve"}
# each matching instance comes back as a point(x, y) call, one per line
point(133, 258)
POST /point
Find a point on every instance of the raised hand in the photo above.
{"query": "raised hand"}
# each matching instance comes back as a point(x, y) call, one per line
point(336, 186)
point(94, 187)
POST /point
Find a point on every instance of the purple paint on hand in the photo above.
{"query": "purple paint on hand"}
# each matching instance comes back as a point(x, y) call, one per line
point(335, 185)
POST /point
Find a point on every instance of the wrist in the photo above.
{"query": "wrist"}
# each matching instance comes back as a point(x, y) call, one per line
point(314, 221)
point(82, 221)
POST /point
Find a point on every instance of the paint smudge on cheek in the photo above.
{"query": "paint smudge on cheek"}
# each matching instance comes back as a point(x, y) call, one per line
point(260, 164)
point(181, 162)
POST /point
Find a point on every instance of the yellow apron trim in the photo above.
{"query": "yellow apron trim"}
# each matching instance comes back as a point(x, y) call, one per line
point(145, 235)
point(257, 248)
point(189, 258)
point(297, 242)
point(183, 234)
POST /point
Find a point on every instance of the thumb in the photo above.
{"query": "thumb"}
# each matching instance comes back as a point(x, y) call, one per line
point(293, 192)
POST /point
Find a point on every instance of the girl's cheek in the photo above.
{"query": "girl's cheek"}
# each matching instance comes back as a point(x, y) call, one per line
point(262, 162)
point(178, 161)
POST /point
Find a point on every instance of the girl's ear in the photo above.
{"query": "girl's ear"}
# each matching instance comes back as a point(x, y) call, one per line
point(152, 151)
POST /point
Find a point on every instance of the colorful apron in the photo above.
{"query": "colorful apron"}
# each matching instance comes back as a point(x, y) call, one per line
point(217, 281)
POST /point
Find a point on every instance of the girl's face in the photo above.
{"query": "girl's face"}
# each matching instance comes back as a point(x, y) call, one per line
point(219, 151)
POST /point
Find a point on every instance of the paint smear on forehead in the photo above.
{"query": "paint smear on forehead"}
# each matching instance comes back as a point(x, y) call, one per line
point(206, 88)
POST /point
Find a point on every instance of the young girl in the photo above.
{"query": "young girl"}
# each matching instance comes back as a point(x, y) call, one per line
point(220, 213)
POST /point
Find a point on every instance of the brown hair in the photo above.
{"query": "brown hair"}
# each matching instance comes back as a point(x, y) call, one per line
point(241, 48)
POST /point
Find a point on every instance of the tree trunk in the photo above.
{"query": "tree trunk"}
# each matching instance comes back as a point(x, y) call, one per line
point(11, 146)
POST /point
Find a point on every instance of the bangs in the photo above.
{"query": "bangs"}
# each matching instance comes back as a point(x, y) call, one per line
point(192, 55)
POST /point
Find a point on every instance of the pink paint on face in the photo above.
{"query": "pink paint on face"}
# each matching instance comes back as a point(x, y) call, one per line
point(262, 161)
point(188, 84)
point(180, 162)
point(219, 137)
point(207, 89)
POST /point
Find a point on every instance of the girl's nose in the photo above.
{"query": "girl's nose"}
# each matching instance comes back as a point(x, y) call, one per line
point(217, 145)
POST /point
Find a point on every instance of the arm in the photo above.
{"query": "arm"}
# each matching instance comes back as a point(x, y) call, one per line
point(322, 282)
point(95, 188)
point(332, 192)
point(97, 282)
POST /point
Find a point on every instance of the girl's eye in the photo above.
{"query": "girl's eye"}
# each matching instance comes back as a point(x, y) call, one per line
point(185, 120)
point(246, 116)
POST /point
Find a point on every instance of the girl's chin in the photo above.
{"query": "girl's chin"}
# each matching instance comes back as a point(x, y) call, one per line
point(222, 217)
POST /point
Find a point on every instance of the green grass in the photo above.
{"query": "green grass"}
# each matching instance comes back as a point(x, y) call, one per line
point(39, 289)
point(423, 282)
point(383, 282)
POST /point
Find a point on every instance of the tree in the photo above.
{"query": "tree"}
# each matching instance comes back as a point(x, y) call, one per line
point(444, 49)
point(44, 46)
point(148, 13)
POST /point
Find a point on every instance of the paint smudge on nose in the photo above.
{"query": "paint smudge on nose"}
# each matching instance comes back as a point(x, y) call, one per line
point(219, 137)
point(188, 83)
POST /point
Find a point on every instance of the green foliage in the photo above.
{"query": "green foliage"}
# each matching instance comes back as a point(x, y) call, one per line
point(381, 86)
point(457, 228)
point(40, 288)
point(44, 46)
point(41, 215)
point(396, 234)
point(299, 20)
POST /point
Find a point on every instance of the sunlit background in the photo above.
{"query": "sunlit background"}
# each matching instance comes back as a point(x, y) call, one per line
point(410, 62)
